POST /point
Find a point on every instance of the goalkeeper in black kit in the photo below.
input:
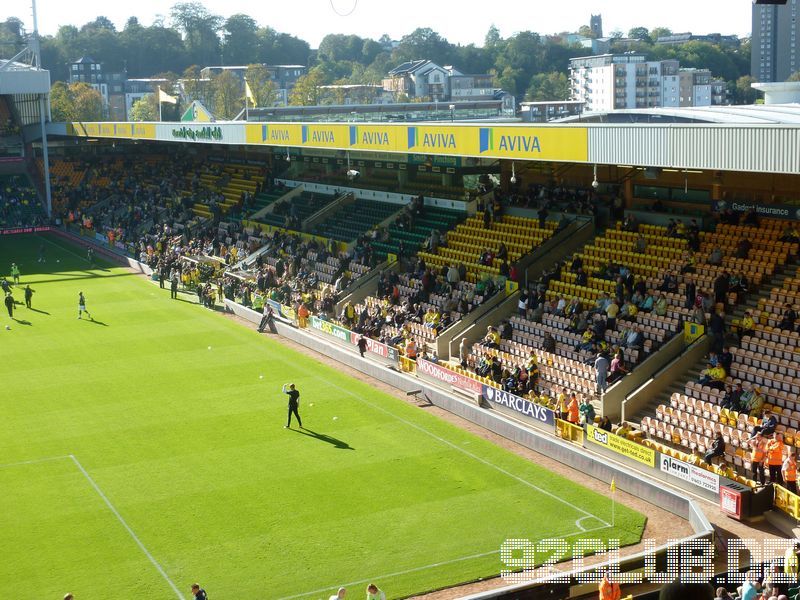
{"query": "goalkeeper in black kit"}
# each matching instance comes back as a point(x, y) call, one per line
point(294, 403)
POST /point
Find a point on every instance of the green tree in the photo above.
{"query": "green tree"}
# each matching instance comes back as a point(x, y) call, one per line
point(11, 37)
point(75, 102)
point(261, 84)
point(241, 41)
point(742, 91)
point(794, 76)
point(306, 91)
point(199, 28)
point(423, 42)
point(195, 87)
point(585, 31)
point(282, 48)
point(144, 109)
point(640, 33)
point(548, 86)
point(228, 95)
point(659, 32)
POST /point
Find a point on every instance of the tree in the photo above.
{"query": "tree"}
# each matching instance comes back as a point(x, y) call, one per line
point(282, 48)
point(228, 97)
point(423, 42)
point(640, 33)
point(742, 91)
point(75, 102)
point(144, 109)
point(548, 86)
point(659, 32)
point(196, 88)
point(240, 40)
point(261, 84)
point(199, 28)
point(11, 37)
point(306, 91)
point(585, 31)
point(794, 76)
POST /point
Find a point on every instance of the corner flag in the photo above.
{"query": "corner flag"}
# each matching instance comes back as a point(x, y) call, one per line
point(613, 485)
point(165, 97)
point(248, 93)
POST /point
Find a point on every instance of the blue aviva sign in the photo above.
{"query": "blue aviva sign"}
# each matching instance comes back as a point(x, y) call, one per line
point(431, 140)
point(507, 142)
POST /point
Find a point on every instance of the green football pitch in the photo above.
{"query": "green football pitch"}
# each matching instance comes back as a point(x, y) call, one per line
point(146, 450)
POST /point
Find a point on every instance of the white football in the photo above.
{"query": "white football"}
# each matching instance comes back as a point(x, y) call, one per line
point(209, 347)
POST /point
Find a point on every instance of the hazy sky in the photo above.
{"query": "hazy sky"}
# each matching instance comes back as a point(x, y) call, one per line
point(460, 21)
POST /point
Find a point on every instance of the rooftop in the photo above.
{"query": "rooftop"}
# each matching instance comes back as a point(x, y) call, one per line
point(753, 114)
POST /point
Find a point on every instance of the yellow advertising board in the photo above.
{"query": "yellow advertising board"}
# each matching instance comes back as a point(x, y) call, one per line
point(522, 142)
point(274, 134)
point(621, 445)
point(130, 131)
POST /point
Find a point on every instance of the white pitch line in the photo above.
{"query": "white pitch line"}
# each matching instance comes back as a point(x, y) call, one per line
point(127, 527)
point(423, 568)
point(34, 461)
point(474, 456)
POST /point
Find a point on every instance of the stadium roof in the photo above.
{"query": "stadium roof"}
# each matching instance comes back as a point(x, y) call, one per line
point(754, 114)
point(22, 78)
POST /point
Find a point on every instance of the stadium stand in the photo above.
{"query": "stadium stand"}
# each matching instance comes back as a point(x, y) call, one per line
point(696, 409)
point(19, 202)
point(292, 212)
point(354, 220)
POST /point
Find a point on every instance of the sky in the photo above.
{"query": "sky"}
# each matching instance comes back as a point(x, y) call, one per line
point(460, 21)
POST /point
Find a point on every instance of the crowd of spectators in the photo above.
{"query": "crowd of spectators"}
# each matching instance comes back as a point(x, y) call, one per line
point(19, 203)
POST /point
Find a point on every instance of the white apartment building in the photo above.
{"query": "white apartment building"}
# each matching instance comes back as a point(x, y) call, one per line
point(618, 81)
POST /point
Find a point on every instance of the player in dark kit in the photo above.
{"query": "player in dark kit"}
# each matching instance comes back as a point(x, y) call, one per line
point(294, 402)
point(82, 306)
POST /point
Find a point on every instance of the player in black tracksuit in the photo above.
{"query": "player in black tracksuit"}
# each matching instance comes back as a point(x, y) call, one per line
point(294, 402)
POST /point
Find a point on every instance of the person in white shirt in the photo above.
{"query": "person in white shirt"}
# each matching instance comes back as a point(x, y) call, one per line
point(373, 593)
point(339, 595)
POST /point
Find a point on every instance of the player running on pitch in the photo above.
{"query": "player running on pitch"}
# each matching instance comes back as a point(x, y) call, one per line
point(82, 306)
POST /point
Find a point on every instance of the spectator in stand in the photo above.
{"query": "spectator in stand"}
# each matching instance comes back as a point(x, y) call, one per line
point(617, 369)
point(721, 288)
point(660, 305)
point(717, 328)
point(747, 326)
point(605, 424)
point(713, 377)
point(690, 293)
point(492, 338)
point(732, 399)
point(573, 409)
point(717, 449)
point(768, 424)
point(601, 364)
point(775, 450)
point(587, 412)
point(788, 318)
point(757, 445)
point(715, 258)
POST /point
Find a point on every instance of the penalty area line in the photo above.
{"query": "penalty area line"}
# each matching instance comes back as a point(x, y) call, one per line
point(425, 567)
point(475, 457)
point(127, 527)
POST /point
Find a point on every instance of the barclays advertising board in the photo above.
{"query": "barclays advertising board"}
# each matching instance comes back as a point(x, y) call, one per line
point(539, 414)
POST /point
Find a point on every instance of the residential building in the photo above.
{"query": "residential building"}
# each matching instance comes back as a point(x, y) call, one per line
point(347, 94)
point(110, 85)
point(616, 81)
point(677, 39)
point(135, 89)
point(424, 79)
point(775, 42)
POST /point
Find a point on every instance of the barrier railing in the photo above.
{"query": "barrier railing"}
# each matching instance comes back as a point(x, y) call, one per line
point(787, 502)
point(569, 431)
point(407, 365)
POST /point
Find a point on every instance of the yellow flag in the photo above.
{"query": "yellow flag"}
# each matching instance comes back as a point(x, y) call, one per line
point(613, 485)
point(248, 93)
point(165, 97)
